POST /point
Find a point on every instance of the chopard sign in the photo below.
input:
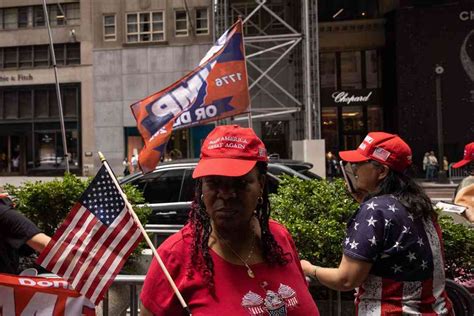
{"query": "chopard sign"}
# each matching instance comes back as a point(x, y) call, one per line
point(344, 97)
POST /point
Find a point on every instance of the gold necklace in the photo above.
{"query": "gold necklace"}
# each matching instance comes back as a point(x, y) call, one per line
point(249, 270)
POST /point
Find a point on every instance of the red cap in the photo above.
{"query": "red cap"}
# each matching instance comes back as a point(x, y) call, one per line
point(388, 149)
point(231, 151)
point(468, 156)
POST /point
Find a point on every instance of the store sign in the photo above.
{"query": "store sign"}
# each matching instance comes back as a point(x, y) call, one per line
point(348, 98)
point(466, 15)
point(18, 77)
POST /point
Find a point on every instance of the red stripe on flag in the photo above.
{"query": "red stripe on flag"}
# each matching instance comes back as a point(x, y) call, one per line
point(87, 250)
point(59, 232)
point(103, 247)
point(392, 294)
point(427, 298)
point(80, 241)
point(70, 235)
point(109, 262)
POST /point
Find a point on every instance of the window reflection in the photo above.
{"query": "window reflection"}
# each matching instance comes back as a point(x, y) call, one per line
point(351, 75)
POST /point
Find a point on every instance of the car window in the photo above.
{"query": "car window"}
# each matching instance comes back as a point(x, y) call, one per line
point(187, 192)
point(162, 186)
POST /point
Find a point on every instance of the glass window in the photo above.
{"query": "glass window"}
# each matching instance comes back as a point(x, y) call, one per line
point(73, 13)
point(59, 54)
point(189, 184)
point(69, 102)
point(53, 104)
point(11, 104)
point(351, 75)
point(26, 56)
point(372, 68)
point(10, 18)
point(23, 17)
point(181, 23)
point(145, 27)
point(55, 15)
point(109, 28)
point(352, 119)
point(330, 128)
point(41, 103)
point(45, 145)
point(202, 21)
point(327, 69)
point(162, 187)
point(374, 118)
point(1, 19)
point(73, 54)
point(10, 57)
point(41, 55)
point(24, 104)
point(38, 16)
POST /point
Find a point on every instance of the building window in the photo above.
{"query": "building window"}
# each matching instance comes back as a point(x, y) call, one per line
point(109, 28)
point(327, 70)
point(202, 21)
point(23, 17)
point(10, 18)
point(39, 56)
point(181, 23)
point(145, 27)
point(372, 69)
point(38, 16)
point(351, 74)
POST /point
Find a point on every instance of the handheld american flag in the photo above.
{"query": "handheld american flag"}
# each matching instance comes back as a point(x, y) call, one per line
point(91, 246)
point(215, 90)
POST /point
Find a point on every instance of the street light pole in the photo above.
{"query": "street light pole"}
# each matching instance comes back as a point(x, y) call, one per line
point(442, 177)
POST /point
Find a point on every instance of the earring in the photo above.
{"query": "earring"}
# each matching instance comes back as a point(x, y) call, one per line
point(260, 200)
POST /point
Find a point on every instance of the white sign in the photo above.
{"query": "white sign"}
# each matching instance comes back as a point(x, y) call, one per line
point(466, 15)
point(344, 97)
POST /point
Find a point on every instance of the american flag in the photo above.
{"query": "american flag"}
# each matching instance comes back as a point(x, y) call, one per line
point(94, 241)
point(407, 276)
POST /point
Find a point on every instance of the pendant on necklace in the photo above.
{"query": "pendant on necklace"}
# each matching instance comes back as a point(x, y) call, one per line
point(250, 273)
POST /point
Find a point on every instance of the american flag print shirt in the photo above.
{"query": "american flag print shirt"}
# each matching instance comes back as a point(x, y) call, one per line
point(407, 276)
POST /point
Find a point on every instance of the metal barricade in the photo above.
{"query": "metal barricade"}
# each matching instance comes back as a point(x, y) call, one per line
point(161, 231)
point(456, 173)
point(133, 282)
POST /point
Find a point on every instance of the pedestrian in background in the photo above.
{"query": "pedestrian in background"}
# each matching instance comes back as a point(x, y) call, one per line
point(432, 166)
point(426, 162)
point(126, 167)
point(393, 250)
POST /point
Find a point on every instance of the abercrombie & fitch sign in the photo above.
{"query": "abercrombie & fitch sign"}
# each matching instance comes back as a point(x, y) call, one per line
point(350, 97)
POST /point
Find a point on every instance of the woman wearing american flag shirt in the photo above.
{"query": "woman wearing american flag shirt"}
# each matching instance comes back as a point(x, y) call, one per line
point(393, 250)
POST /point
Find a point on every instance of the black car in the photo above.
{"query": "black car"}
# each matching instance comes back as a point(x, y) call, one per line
point(169, 189)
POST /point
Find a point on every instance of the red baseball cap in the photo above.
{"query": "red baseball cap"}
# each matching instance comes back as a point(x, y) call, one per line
point(231, 151)
point(388, 149)
point(468, 156)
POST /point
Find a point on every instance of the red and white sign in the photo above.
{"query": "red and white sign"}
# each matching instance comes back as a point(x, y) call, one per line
point(27, 296)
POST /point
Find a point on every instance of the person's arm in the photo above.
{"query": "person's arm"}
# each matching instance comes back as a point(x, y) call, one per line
point(350, 274)
point(38, 242)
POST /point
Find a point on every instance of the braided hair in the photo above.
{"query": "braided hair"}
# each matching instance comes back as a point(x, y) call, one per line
point(200, 223)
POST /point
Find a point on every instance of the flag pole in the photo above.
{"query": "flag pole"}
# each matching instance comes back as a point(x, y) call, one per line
point(247, 73)
point(145, 235)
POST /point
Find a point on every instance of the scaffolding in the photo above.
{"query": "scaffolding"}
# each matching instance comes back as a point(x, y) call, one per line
point(281, 43)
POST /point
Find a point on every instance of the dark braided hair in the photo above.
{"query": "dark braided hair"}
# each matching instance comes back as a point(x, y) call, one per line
point(200, 223)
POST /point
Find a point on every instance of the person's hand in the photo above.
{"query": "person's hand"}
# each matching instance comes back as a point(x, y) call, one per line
point(307, 267)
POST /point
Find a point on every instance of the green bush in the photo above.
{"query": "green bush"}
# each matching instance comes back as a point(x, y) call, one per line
point(47, 203)
point(316, 212)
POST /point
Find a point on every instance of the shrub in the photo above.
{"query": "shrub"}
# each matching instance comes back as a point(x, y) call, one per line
point(47, 203)
point(316, 212)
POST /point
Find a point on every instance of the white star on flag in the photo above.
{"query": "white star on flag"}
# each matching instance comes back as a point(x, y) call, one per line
point(411, 217)
point(392, 208)
point(420, 241)
point(406, 230)
point(371, 221)
point(347, 241)
point(371, 205)
point(355, 225)
point(396, 268)
point(411, 256)
point(424, 264)
point(397, 245)
point(373, 241)
point(388, 222)
point(354, 244)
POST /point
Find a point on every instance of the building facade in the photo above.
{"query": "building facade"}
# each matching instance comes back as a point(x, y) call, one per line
point(141, 47)
point(30, 133)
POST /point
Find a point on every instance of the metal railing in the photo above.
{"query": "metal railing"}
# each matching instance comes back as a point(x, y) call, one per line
point(456, 173)
point(133, 282)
